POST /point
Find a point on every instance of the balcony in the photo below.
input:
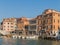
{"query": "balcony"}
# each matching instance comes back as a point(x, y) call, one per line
point(32, 22)
point(32, 27)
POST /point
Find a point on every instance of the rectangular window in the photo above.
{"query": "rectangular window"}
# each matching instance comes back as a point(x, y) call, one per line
point(32, 27)
point(4, 26)
point(50, 20)
point(41, 21)
point(51, 26)
point(8, 23)
point(58, 21)
point(44, 21)
point(7, 29)
point(26, 27)
point(8, 26)
point(54, 26)
point(54, 20)
point(47, 21)
point(58, 28)
point(12, 23)
point(46, 27)
point(11, 26)
point(11, 29)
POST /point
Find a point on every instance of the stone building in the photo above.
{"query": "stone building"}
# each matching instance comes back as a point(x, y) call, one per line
point(9, 24)
point(32, 27)
point(22, 23)
point(49, 21)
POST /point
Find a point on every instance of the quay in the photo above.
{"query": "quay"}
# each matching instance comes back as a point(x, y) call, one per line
point(35, 37)
point(25, 37)
point(30, 37)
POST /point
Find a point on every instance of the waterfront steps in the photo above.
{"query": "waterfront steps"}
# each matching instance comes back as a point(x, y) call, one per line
point(25, 37)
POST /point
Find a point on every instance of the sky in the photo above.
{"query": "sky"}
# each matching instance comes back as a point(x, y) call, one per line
point(26, 8)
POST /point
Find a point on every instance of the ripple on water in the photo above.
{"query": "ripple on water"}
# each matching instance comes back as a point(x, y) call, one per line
point(10, 41)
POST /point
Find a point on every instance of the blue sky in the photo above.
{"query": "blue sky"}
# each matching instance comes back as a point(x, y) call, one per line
point(26, 8)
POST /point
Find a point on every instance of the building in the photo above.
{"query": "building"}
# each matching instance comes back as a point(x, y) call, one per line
point(32, 27)
point(49, 21)
point(1, 26)
point(39, 23)
point(22, 24)
point(26, 26)
point(9, 24)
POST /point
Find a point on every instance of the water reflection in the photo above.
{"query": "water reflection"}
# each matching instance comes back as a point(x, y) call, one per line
point(44, 42)
point(10, 41)
point(56, 43)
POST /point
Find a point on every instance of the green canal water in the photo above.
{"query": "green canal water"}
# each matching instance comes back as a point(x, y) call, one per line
point(10, 41)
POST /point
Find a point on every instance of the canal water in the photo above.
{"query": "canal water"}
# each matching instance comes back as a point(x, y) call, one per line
point(10, 41)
